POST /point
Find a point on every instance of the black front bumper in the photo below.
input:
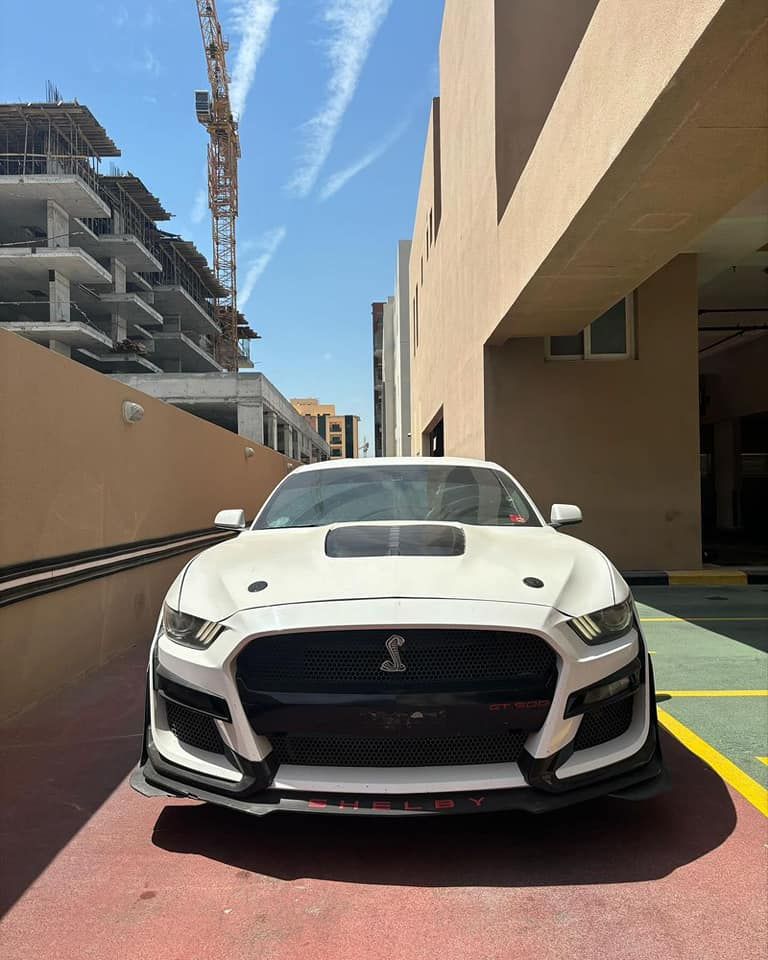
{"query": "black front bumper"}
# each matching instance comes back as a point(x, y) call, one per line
point(636, 778)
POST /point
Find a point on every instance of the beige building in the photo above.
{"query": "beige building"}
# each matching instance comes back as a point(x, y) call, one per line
point(588, 288)
point(340, 431)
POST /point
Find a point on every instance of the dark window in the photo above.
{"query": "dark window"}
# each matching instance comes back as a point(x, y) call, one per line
point(608, 334)
point(567, 346)
point(437, 440)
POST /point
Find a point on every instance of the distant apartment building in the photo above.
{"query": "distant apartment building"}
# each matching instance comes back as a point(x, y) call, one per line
point(589, 265)
point(392, 363)
point(340, 431)
point(377, 324)
point(86, 270)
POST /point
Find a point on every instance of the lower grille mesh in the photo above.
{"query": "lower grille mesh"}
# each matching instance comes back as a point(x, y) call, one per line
point(398, 752)
point(193, 728)
point(604, 724)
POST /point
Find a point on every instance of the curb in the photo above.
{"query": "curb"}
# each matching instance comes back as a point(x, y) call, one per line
point(708, 577)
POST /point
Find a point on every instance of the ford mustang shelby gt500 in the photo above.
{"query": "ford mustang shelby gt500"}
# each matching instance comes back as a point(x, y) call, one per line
point(401, 636)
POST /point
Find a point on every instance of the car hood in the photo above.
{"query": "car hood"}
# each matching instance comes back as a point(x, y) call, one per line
point(576, 578)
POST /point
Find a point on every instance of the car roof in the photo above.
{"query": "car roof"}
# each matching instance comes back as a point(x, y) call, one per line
point(370, 462)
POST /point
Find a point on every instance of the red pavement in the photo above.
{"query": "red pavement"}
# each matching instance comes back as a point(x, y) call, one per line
point(92, 870)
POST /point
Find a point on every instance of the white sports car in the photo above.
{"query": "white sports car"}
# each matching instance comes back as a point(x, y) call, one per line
point(397, 637)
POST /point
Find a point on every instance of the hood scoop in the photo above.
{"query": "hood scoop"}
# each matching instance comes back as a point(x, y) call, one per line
point(408, 540)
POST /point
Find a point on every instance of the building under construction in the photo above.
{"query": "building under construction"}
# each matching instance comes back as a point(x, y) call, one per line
point(87, 270)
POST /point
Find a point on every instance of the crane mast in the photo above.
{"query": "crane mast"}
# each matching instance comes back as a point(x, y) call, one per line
point(215, 113)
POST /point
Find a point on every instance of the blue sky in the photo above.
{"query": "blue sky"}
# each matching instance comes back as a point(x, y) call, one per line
point(334, 99)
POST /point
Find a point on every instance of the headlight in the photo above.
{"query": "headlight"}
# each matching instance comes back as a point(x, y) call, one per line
point(604, 625)
point(189, 630)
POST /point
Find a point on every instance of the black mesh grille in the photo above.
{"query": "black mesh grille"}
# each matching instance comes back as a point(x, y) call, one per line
point(193, 728)
point(352, 660)
point(604, 724)
point(398, 752)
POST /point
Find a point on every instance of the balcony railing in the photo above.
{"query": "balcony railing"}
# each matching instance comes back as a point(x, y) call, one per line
point(30, 164)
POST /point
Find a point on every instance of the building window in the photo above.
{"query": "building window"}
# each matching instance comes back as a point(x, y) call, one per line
point(609, 337)
point(335, 428)
point(335, 453)
point(336, 441)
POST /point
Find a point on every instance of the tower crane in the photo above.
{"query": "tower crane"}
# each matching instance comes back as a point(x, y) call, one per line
point(214, 111)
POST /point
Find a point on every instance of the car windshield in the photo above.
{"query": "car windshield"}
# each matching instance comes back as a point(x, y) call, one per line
point(465, 494)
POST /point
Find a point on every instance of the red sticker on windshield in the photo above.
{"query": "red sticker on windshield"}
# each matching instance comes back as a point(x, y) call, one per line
point(516, 518)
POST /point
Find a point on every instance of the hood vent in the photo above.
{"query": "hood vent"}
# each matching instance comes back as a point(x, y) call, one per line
point(413, 540)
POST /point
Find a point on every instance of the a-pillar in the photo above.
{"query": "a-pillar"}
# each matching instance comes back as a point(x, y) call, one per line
point(250, 421)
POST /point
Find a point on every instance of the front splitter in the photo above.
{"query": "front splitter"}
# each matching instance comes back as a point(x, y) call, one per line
point(641, 783)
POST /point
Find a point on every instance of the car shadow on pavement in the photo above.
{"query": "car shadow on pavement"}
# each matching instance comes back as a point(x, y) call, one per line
point(738, 613)
point(605, 841)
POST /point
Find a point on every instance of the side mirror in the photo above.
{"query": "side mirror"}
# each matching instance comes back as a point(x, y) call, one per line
point(230, 519)
point(563, 514)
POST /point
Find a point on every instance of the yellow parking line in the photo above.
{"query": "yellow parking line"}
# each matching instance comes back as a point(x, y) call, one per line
point(750, 789)
point(714, 693)
point(702, 619)
point(763, 760)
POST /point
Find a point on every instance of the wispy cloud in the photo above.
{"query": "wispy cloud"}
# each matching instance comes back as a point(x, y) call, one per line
point(120, 19)
point(267, 246)
point(199, 206)
point(353, 24)
point(149, 18)
point(337, 180)
point(150, 63)
point(252, 20)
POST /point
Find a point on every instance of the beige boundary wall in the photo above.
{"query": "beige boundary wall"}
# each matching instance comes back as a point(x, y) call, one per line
point(75, 477)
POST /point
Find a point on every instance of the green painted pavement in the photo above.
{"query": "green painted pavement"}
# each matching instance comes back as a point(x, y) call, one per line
point(736, 726)
point(729, 652)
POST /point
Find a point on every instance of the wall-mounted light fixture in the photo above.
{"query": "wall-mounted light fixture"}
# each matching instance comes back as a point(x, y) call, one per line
point(249, 452)
point(132, 412)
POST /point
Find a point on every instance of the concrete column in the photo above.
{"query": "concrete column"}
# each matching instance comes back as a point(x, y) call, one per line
point(117, 269)
point(250, 421)
point(272, 429)
point(118, 327)
point(58, 347)
point(57, 224)
point(58, 297)
point(727, 445)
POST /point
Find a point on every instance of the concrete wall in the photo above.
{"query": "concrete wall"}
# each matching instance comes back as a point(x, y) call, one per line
point(617, 437)
point(74, 477)
point(535, 43)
